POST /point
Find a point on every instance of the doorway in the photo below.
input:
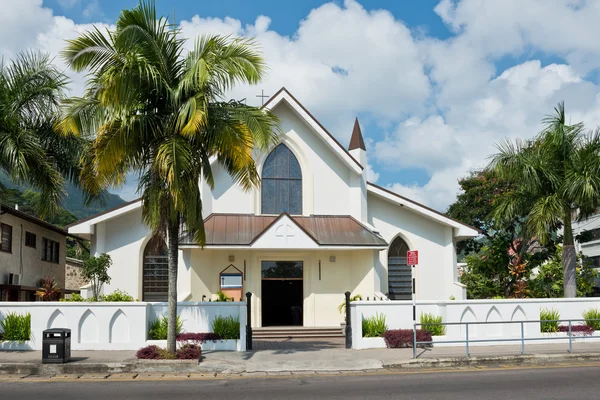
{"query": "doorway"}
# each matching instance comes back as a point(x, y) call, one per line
point(282, 293)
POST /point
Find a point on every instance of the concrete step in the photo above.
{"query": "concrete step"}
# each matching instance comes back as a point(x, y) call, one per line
point(293, 333)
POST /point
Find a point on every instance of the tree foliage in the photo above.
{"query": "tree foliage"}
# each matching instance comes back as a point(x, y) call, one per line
point(95, 270)
point(554, 174)
point(160, 112)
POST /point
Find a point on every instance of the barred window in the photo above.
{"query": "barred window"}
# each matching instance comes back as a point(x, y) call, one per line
point(281, 183)
point(399, 272)
point(156, 271)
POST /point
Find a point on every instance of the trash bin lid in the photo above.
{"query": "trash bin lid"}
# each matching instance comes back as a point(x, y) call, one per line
point(57, 330)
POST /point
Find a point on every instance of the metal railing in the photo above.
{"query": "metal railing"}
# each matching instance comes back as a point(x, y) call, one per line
point(522, 338)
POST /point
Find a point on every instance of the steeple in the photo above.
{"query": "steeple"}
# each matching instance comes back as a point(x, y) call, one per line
point(356, 141)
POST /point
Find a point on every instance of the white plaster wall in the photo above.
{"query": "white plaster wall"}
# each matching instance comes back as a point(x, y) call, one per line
point(329, 186)
point(398, 315)
point(117, 326)
point(434, 241)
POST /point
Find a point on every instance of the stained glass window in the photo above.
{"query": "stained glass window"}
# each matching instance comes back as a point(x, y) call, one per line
point(281, 183)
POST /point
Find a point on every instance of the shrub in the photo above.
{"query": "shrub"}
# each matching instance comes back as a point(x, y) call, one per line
point(342, 307)
point(16, 327)
point(374, 326)
point(158, 328)
point(189, 352)
point(592, 318)
point(148, 353)
point(49, 290)
point(198, 338)
point(226, 327)
point(117, 296)
point(577, 330)
point(222, 296)
point(429, 322)
point(398, 338)
point(75, 297)
point(551, 316)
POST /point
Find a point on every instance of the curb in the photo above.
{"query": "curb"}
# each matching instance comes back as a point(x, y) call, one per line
point(526, 360)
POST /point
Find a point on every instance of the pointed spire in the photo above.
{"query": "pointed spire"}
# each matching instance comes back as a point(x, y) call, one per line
point(356, 141)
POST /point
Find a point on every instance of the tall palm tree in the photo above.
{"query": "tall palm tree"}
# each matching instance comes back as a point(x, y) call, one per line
point(31, 151)
point(557, 179)
point(161, 112)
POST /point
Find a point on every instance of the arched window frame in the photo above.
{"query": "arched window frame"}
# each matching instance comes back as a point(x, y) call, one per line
point(399, 272)
point(282, 180)
point(155, 278)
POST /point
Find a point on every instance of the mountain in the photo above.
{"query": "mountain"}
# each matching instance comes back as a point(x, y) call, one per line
point(73, 201)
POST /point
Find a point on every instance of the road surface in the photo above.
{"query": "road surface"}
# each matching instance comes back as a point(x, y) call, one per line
point(531, 384)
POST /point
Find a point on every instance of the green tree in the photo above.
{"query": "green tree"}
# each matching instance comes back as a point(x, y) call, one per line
point(31, 152)
point(548, 282)
point(161, 113)
point(555, 173)
point(95, 270)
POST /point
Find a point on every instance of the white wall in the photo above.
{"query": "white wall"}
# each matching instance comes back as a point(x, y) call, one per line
point(117, 326)
point(398, 315)
point(435, 274)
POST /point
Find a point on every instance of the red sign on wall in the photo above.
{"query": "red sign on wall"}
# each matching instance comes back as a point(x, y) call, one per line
point(412, 257)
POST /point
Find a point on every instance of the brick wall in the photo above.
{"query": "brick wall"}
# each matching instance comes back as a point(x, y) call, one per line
point(73, 278)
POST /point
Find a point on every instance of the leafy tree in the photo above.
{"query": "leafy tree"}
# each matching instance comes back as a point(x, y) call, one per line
point(31, 151)
point(555, 173)
point(548, 282)
point(160, 113)
point(480, 191)
point(95, 270)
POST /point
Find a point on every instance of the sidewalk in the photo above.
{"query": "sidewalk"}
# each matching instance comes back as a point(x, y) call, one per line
point(300, 360)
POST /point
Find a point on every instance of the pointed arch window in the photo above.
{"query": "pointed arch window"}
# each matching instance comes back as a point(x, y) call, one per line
point(156, 271)
point(281, 189)
point(399, 273)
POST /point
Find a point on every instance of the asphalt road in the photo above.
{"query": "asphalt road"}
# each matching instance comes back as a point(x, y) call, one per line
point(530, 384)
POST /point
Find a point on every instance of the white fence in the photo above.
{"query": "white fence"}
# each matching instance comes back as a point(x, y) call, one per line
point(119, 326)
point(398, 315)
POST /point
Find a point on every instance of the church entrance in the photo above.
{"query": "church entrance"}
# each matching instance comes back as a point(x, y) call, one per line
point(282, 293)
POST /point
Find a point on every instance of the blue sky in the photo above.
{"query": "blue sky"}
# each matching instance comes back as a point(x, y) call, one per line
point(435, 83)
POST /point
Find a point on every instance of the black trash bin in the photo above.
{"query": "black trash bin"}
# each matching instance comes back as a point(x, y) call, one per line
point(56, 346)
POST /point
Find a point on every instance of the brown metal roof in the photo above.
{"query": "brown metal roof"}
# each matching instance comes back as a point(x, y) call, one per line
point(356, 140)
point(325, 230)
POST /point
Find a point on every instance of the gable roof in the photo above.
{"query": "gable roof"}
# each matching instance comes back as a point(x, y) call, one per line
point(357, 141)
point(284, 95)
point(463, 230)
point(40, 222)
point(246, 229)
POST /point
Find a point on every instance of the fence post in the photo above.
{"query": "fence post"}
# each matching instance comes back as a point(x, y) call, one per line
point(522, 339)
point(467, 341)
point(248, 321)
point(570, 339)
point(348, 322)
point(414, 340)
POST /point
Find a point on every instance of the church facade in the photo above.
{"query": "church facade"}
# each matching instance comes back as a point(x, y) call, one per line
point(313, 230)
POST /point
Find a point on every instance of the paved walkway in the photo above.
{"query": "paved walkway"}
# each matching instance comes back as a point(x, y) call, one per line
point(299, 344)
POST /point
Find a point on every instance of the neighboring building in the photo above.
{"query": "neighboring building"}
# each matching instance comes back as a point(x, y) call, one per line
point(30, 249)
point(314, 230)
point(73, 278)
point(591, 247)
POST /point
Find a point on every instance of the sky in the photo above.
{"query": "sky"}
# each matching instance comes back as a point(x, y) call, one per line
point(435, 84)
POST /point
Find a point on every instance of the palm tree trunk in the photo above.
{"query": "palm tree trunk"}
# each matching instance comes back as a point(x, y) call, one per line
point(173, 238)
point(569, 259)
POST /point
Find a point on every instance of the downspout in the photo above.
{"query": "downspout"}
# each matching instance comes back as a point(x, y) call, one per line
point(21, 255)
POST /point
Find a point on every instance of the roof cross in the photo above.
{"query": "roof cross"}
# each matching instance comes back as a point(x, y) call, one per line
point(262, 96)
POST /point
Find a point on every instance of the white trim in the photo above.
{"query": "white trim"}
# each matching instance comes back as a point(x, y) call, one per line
point(87, 227)
point(310, 121)
point(460, 230)
point(246, 247)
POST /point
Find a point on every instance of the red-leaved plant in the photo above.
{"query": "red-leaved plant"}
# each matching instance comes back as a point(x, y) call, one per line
point(198, 338)
point(49, 290)
point(577, 330)
point(398, 338)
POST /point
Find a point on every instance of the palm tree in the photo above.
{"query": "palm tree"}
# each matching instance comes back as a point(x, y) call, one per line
point(557, 179)
point(31, 152)
point(161, 113)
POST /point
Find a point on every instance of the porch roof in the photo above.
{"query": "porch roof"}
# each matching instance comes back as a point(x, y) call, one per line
point(325, 230)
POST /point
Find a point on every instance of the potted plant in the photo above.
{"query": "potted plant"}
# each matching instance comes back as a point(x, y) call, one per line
point(342, 310)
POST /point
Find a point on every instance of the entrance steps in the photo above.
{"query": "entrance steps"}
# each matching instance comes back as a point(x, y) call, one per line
point(296, 332)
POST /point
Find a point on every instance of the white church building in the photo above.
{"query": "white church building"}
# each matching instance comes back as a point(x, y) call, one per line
point(315, 229)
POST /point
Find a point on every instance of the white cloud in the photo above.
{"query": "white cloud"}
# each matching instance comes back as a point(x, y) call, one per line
point(443, 103)
point(68, 3)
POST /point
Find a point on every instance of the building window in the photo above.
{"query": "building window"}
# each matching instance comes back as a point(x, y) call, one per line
point(231, 281)
point(595, 261)
point(281, 183)
point(399, 273)
point(156, 271)
point(30, 239)
point(6, 235)
point(50, 250)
